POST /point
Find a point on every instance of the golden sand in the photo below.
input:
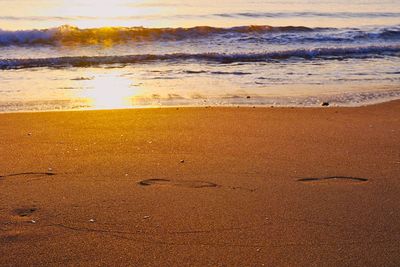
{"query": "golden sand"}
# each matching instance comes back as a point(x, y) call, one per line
point(198, 187)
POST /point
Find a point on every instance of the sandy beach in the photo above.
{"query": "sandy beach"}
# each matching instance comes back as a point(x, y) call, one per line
point(201, 187)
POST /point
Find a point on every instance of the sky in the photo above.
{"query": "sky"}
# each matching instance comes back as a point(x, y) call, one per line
point(28, 14)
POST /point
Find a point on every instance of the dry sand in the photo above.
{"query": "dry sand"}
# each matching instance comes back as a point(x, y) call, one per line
point(198, 187)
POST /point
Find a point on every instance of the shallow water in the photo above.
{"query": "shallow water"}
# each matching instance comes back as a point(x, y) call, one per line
point(310, 52)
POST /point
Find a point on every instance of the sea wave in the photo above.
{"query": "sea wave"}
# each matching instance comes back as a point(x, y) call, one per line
point(68, 35)
point(327, 53)
point(312, 14)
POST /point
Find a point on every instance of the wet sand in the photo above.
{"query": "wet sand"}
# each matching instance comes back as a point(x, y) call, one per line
point(201, 187)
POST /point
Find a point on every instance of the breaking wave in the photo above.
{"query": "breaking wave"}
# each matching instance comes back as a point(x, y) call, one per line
point(73, 35)
point(68, 35)
point(308, 54)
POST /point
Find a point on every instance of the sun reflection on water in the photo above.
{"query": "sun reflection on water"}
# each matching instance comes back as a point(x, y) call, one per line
point(109, 91)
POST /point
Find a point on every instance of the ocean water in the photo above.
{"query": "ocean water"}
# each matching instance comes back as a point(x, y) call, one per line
point(62, 55)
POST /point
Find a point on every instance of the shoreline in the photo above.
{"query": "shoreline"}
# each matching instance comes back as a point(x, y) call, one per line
point(196, 187)
point(266, 106)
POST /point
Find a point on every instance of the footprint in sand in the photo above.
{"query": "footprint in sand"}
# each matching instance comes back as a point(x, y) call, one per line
point(24, 212)
point(15, 228)
point(334, 178)
point(179, 183)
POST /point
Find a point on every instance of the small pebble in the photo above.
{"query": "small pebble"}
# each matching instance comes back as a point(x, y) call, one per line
point(259, 249)
point(29, 134)
point(50, 169)
point(33, 221)
point(325, 104)
point(146, 217)
point(92, 220)
point(248, 97)
point(182, 161)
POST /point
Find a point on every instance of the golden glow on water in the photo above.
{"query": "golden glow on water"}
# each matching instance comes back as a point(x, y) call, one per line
point(31, 78)
point(108, 91)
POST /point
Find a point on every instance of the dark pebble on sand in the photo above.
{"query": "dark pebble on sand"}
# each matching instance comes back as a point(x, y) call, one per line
point(248, 97)
point(325, 104)
point(183, 161)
